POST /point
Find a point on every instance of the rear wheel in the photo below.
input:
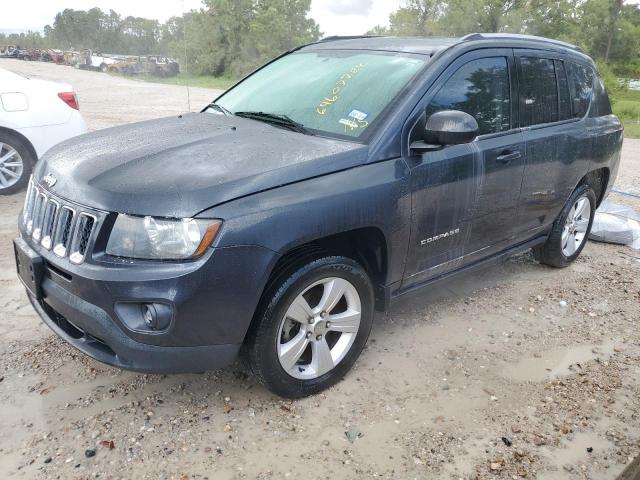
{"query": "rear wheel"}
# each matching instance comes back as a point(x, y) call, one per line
point(570, 230)
point(311, 327)
point(16, 161)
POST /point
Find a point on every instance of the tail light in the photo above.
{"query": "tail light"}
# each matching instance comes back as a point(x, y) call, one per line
point(70, 99)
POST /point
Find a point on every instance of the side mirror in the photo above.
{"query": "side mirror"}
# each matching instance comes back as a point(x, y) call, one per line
point(450, 127)
point(447, 127)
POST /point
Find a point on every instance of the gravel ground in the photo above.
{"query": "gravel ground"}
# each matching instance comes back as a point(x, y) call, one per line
point(517, 371)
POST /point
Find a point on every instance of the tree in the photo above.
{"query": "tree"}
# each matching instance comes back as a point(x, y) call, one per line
point(467, 16)
point(417, 17)
point(614, 15)
point(609, 30)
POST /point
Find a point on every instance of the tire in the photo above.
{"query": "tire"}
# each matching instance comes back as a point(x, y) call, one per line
point(559, 250)
point(24, 156)
point(274, 326)
point(104, 68)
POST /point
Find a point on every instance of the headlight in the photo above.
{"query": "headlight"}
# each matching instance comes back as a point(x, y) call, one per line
point(161, 239)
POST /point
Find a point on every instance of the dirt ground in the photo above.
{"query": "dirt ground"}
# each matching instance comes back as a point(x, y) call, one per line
point(516, 371)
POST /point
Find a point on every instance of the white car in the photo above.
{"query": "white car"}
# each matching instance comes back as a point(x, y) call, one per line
point(35, 115)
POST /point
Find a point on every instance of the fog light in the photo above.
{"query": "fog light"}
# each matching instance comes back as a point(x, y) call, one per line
point(150, 316)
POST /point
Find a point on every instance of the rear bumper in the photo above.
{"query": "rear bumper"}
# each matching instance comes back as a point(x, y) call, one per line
point(91, 330)
point(44, 137)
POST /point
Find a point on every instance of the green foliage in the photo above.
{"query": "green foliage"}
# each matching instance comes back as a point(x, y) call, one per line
point(626, 105)
point(25, 40)
point(628, 110)
point(104, 32)
point(203, 81)
point(232, 37)
point(609, 30)
point(224, 38)
point(611, 81)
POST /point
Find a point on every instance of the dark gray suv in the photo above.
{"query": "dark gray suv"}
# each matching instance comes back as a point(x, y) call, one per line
point(317, 190)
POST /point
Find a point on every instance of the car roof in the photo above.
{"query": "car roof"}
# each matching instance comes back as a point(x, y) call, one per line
point(431, 45)
point(419, 45)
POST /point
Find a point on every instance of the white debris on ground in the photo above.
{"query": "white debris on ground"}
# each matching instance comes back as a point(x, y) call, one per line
point(618, 224)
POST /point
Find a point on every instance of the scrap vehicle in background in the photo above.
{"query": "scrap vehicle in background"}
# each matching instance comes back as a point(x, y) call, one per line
point(96, 62)
point(71, 57)
point(146, 65)
point(55, 56)
point(9, 51)
point(33, 54)
point(163, 66)
point(35, 115)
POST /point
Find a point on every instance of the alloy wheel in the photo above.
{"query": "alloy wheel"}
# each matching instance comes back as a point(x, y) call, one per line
point(575, 229)
point(11, 166)
point(319, 328)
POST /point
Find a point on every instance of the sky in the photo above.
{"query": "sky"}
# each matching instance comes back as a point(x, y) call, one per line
point(335, 17)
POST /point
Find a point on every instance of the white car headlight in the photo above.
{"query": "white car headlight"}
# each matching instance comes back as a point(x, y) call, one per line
point(160, 238)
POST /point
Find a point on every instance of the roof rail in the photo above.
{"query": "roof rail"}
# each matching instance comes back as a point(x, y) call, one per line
point(514, 36)
point(334, 38)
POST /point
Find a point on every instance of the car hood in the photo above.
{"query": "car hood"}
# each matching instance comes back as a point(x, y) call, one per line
point(180, 166)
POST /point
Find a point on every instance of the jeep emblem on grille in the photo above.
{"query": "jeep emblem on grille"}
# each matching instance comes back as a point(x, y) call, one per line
point(49, 180)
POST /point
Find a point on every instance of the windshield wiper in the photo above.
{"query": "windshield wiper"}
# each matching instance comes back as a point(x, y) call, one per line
point(220, 108)
point(277, 119)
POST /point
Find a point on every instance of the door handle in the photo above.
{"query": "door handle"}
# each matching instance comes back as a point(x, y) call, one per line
point(508, 157)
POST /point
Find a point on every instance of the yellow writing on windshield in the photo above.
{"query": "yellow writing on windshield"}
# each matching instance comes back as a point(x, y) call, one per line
point(337, 88)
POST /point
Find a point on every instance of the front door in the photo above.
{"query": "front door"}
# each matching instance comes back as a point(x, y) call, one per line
point(465, 197)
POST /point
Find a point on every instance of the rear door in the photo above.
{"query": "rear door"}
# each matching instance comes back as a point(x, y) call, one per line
point(465, 197)
point(557, 133)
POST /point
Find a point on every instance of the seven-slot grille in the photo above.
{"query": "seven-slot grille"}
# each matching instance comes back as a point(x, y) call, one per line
point(56, 226)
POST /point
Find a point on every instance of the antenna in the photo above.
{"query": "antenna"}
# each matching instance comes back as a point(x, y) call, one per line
point(186, 58)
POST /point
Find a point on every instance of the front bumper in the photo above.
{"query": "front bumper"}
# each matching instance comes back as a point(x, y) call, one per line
point(212, 300)
point(114, 348)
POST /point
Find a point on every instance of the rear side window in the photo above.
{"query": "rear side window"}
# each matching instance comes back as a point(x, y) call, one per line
point(538, 91)
point(563, 90)
point(480, 88)
point(580, 87)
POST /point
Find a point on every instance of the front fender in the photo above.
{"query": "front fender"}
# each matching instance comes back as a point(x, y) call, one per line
point(373, 195)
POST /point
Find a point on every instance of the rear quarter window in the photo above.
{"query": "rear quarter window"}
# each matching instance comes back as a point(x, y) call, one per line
point(601, 104)
point(580, 88)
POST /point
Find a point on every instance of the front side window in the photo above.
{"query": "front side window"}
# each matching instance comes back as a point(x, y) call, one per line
point(581, 88)
point(335, 92)
point(538, 91)
point(481, 89)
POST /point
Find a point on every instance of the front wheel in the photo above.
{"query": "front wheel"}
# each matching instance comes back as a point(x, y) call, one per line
point(311, 327)
point(16, 161)
point(570, 230)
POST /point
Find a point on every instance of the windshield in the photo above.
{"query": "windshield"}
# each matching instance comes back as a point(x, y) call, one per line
point(339, 93)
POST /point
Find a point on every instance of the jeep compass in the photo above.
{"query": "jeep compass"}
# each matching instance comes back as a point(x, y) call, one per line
point(326, 184)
